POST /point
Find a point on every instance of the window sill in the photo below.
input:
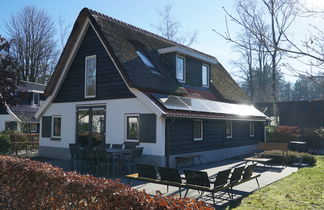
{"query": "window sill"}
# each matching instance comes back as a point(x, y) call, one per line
point(198, 140)
point(55, 139)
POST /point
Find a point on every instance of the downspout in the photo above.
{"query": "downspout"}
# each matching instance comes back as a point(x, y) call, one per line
point(167, 139)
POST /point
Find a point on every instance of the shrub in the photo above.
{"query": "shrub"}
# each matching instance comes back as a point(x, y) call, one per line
point(292, 157)
point(286, 134)
point(314, 138)
point(5, 144)
point(33, 185)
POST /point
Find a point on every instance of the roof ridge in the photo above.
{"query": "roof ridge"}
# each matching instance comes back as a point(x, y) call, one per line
point(93, 12)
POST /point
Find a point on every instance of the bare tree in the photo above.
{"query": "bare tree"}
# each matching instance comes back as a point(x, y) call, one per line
point(32, 33)
point(169, 27)
point(268, 22)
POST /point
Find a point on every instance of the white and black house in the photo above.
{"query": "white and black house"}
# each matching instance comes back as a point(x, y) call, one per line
point(21, 117)
point(117, 83)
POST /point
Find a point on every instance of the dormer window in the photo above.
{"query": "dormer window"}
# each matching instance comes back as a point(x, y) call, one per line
point(205, 75)
point(90, 76)
point(35, 99)
point(145, 60)
point(180, 68)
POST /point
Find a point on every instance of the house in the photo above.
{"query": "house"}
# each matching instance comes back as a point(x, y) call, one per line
point(21, 117)
point(117, 83)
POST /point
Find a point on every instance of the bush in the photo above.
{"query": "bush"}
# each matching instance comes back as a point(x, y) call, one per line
point(286, 134)
point(5, 144)
point(33, 185)
point(314, 138)
point(292, 157)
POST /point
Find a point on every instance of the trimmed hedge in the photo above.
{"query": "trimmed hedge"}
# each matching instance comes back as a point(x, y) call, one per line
point(27, 184)
point(292, 157)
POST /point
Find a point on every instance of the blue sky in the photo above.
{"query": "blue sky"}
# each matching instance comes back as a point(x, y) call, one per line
point(192, 14)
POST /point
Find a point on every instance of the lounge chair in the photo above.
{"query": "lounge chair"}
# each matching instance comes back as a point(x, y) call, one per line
point(170, 176)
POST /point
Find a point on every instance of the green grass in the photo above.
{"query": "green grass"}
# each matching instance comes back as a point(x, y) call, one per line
point(301, 190)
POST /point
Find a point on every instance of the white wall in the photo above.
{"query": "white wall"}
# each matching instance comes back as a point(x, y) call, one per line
point(3, 119)
point(115, 123)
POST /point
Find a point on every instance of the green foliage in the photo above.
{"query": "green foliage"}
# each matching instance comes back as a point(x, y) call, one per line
point(5, 144)
point(314, 138)
point(36, 185)
point(301, 190)
point(292, 157)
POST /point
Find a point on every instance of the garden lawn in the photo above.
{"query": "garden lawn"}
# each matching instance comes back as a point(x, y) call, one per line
point(301, 190)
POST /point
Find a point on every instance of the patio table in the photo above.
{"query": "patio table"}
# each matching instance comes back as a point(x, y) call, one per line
point(117, 155)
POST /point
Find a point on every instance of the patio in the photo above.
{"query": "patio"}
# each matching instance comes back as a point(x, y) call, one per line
point(268, 176)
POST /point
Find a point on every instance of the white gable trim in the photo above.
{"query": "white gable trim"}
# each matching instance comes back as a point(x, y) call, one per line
point(136, 92)
point(13, 114)
point(191, 53)
point(76, 46)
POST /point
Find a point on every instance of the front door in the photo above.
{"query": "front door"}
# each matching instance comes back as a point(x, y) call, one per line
point(91, 123)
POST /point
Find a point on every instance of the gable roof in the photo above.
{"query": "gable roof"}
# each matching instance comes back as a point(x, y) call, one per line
point(122, 40)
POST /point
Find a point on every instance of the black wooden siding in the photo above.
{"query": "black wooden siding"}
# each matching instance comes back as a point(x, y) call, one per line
point(110, 84)
point(181, 136)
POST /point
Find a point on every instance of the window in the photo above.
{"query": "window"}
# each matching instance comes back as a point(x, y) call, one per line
point(132, 126)
point(251, 129)
point(35, 99)
point(11, 126)
point(180, 68)
point(145, 59)
point(56, 131)
point(229, 129)
point(90, 76)
point(198, 130)
point(205, 75)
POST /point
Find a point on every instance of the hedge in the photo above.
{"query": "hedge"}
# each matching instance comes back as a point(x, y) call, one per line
point(292, 157)
point(27, 184)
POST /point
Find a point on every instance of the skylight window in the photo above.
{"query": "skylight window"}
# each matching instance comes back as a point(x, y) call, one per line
point(145, 59)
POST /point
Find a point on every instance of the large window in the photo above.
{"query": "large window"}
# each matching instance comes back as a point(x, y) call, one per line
point(180, 68)
point(251, 129)
point(229, 129)
point(35, 99)
point(91, 123)
point(132, 126)
point(56, 131)
point(198, 130)
point(205, 75)
point(90, 76)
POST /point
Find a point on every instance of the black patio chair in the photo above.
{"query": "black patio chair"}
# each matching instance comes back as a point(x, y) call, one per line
point(75, 156)
point(117, 146)
point(103, 158)
point(130, 146)
point(248, 172)
point(221, 182)
point(88, 157)
point(236, 176)
point(194, 177)
point(131, 158)
point(170, 175)
point(147, 171)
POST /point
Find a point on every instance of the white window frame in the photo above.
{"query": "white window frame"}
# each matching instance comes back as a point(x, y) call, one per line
point(85, 76)
point(231, 136)
point(201, 130)
point(126, 127)
point(34, 104)
point(53, 117)
point(208, 72)
point(251, 134)
point(184, 68)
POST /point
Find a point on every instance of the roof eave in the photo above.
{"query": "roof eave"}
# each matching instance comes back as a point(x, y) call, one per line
point(188, 52)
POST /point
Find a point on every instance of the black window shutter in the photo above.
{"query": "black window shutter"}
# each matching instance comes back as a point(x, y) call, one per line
point(147, 128)
point(46, 126)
